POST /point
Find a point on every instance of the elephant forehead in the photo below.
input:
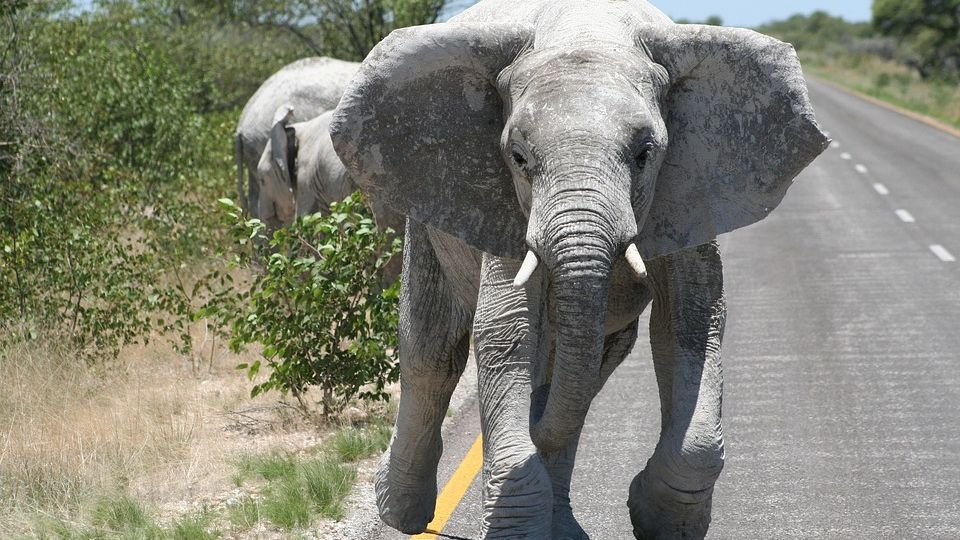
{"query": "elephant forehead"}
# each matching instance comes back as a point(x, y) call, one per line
point(585, 64)
point(585, 86)
point(566, 113)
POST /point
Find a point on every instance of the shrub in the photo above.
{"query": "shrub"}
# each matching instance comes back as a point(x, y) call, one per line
point(105, 166)
point(319, 308)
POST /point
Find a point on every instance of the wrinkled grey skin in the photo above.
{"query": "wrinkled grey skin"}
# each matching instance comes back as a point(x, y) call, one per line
point(308, 176)
point(311, 86)
point(571, 129)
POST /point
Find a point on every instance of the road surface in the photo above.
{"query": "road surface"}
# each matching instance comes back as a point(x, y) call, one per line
point(841, 356)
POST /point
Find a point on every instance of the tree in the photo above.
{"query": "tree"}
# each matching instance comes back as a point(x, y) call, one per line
point(818, 31)
point(104, 167)
point(714, 20)
point(929, 29)
point(352, 28)
point(346, 29)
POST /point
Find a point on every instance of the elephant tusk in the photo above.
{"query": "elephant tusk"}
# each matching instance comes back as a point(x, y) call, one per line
point(527, 269)
point(635, 261)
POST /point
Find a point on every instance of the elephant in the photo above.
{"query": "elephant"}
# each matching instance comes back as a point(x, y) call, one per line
point(305, 175)
point(311, 86)
point(563, 165)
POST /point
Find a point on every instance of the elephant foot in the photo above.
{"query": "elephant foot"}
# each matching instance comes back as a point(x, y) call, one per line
point(565, 526)
point(405, 501)
point(659, 512)
point(518, 501)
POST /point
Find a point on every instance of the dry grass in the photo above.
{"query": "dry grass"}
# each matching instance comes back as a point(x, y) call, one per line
point(153, 428)
point(889, 81)
point(158, 432)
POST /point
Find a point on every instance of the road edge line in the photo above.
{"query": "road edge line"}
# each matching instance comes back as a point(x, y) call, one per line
point(455, 489)
point(922, 118)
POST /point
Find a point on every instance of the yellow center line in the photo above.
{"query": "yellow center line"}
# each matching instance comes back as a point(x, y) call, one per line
point(455, 489)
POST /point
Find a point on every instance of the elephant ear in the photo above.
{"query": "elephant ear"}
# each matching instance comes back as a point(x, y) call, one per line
point(283, 144)
point(740, 128)
point(420, 124)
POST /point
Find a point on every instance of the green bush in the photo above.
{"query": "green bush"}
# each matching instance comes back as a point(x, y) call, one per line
point(318, 307)
point(110, 159)
point(107, 171)
point(124, 101)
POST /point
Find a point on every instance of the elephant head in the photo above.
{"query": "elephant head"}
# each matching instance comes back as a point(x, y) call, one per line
point(277, 171)
point(300, 172)
point(570, 155)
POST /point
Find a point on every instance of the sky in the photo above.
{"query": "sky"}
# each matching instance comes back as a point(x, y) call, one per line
point(747, 13)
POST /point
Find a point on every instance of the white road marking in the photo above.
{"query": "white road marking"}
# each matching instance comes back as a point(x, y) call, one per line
point(905, 216)
point(942, 253)
point(846, 155)
point(834, 144)
point(881, 189)
point(861, 168)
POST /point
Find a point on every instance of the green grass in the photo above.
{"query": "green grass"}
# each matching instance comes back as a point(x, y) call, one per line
point(296, 490)
point(268, 467)
point(245, 514)
point(194, 527)
point(327, 484)
point(286, 504)
point(120, 517)
point(354, 444)
point(120, 514)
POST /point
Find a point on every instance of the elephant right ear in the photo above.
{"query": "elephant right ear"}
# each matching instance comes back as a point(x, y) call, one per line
point(420, 124)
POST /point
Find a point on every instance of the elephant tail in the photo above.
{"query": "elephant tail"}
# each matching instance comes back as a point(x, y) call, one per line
point(241, 186)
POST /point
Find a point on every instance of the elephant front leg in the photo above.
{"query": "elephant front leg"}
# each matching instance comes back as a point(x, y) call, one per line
point(671, 497)
point(434, 345)
point(508, 339)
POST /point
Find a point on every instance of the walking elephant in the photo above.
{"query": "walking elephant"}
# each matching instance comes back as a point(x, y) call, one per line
point(300, 174)
point(564, 164)
point(310, 86)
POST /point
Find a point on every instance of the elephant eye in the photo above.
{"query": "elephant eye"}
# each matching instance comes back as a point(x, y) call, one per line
point(519, 159)
point(520, 156)
point(643, 155)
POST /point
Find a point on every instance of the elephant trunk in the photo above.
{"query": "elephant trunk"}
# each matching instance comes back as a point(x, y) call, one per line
point(580, 244)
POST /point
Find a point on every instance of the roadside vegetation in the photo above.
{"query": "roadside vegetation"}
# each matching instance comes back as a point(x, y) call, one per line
point(132, 289)
point(907, 55)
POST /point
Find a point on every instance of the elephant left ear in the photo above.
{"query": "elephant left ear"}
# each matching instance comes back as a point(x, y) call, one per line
point(283, 144)
point(740, 128)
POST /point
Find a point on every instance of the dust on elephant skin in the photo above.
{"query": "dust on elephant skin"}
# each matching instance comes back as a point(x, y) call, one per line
point(563, 165)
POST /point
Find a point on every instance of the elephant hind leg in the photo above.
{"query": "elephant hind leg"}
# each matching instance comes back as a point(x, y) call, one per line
point(434, 345)
point(671, 497)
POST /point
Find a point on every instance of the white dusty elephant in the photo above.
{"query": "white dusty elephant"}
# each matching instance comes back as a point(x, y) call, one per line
point(581, 138)
point(305, 175)
point(311, 86)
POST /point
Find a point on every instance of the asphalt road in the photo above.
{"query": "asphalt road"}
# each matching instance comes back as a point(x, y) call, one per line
point(841, 356)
